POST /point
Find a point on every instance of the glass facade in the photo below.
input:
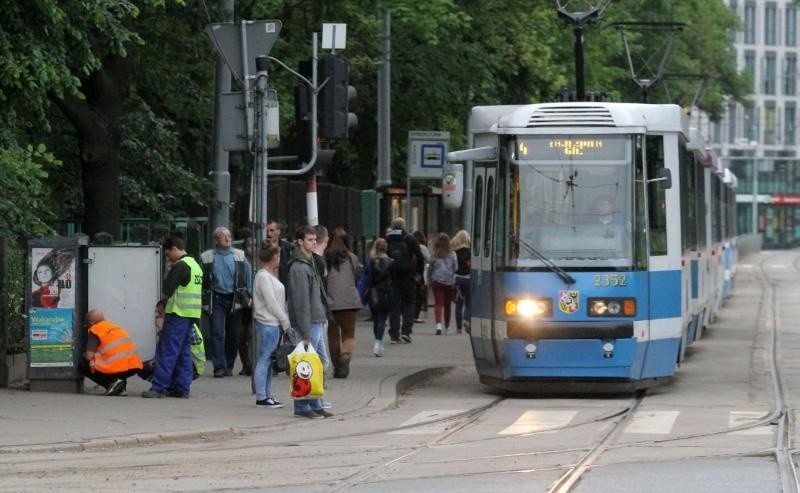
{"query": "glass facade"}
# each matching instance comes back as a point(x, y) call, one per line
point(764, 130)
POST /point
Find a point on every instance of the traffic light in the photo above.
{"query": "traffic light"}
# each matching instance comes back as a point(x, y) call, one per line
point(302, 120)
point(335, 118)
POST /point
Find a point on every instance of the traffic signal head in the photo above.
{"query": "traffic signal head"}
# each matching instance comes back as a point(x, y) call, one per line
point(335, 118)
point(302, 121)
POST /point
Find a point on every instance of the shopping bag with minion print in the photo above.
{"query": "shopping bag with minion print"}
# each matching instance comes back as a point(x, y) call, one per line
point(305, 373)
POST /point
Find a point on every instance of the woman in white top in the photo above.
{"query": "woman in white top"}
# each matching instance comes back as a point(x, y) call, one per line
point(269, 317)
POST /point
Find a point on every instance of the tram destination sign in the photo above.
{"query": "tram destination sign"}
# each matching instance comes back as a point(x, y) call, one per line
point(579, 148)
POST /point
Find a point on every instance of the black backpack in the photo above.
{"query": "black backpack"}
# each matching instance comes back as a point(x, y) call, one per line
point(398, 251)
point(381, 293)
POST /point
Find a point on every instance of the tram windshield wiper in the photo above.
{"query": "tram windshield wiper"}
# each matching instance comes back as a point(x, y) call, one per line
point(568, 279)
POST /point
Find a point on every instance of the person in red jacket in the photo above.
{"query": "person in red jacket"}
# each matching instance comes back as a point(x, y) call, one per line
point(111, 355)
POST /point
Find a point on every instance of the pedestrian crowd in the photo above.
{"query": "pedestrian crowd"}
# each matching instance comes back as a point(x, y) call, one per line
point(305, 293)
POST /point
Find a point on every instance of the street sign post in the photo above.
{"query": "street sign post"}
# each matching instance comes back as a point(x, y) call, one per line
point(427, 155)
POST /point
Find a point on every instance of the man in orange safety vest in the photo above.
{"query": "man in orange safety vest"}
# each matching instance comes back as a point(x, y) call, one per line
point(111, 355)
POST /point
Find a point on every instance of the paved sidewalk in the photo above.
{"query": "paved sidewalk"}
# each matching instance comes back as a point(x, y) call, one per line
point(218, 407)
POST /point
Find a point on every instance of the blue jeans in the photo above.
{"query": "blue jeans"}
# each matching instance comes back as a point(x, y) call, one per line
point(379, 323)
point(318, 341)
point(225, 326)
point(268, 336)
point(406, 297)
point(174, 368)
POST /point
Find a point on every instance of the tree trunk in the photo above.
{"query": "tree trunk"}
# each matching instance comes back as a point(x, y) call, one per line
point(97, 121)
point(99, 148)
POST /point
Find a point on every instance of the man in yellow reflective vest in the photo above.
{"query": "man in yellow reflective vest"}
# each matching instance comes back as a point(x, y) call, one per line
point(183, 289)
point(111, 355)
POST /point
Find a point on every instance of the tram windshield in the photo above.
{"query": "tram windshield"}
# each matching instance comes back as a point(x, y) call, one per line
point(569, 199)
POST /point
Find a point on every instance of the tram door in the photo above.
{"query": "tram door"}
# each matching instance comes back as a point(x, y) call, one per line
point(482, 323)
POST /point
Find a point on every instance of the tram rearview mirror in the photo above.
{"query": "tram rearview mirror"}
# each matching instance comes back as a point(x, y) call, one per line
point(664, 178)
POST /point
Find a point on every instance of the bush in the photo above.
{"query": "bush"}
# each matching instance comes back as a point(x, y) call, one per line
point(15, 307)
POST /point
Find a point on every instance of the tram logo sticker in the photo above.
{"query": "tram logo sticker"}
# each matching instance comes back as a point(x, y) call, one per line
point(568, 301)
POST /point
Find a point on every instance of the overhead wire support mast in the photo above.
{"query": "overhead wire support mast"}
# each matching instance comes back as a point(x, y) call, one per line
point(579, 20)
point(671, 29)
point(698, 90)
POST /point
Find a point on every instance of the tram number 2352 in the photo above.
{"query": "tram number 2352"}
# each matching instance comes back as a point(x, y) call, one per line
point(610, 280)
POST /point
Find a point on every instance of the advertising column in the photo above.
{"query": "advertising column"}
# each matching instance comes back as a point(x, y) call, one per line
point(55, 307)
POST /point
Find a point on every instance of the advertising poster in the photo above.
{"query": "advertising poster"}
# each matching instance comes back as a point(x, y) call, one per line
point(53, 277)
point(50, 332)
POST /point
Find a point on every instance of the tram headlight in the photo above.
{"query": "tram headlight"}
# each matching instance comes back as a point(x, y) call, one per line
point(528, 307)
point(612, 307)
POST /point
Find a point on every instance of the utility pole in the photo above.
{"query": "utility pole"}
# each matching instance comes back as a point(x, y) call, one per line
point(260, 188)
point(384, 107)
point(220, 176)
point(311, 181)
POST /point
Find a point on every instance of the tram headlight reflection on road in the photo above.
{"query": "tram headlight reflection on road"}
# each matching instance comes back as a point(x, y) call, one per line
point(528, 307)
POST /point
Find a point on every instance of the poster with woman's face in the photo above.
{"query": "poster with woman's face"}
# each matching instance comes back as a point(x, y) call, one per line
point(53, 278)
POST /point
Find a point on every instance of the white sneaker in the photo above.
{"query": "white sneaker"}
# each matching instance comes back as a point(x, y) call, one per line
point(377, 349)
point(438, 329)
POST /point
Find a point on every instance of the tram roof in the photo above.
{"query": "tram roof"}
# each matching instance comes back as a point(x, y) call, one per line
point(652, 117)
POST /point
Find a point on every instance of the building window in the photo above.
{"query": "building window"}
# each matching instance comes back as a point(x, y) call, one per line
point(733, 31)
point(769, 73)
point(750, 66)
point(750, 23)
point(751, 124)
point(770, 24)
point(790, 114)
point(791, 25)
point(731, 123)
point(790, 75)
point(769, 124)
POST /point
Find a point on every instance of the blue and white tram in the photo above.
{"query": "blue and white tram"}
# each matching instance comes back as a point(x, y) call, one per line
point(579, 274)
point(730, 252)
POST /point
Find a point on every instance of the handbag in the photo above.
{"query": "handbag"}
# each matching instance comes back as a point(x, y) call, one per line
point(363, 284)
point(305, 373)
point(279, 359)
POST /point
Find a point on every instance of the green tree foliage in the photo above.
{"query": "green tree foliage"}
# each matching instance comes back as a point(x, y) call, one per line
point(23, 194)
point(87, 59)
point(122, 91)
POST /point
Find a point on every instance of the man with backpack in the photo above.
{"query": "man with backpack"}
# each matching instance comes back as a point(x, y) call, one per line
point(409, 263)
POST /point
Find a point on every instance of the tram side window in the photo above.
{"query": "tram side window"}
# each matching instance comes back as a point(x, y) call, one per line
point(477, 215)
point(688, 199)
point(700, 207)
point(487, 221)
point(656, 196)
